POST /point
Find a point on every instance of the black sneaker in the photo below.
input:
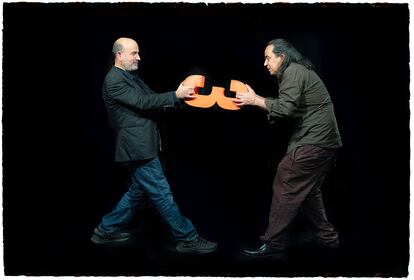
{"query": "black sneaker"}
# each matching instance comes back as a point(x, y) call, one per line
point(197, 246)
point(100, 237)
point(329, 245)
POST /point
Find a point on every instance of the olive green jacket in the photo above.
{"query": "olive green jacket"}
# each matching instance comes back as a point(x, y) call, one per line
point(304, 98)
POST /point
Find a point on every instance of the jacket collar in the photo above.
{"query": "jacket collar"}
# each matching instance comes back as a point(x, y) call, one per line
point(127, 74)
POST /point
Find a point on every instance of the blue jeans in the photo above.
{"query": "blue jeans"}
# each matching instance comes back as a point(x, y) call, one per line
point(148, 178)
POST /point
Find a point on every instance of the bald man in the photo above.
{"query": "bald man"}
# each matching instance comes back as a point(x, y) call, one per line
point(131, 105)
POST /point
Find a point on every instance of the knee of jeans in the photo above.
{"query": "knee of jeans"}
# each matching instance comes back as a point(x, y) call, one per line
point(133, 196)
point(162, 196)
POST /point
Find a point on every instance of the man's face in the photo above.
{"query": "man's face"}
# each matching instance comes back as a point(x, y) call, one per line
point(129, 57)
point(272, 61)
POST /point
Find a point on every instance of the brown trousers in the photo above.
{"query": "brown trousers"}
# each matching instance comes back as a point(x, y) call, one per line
point(297, 187)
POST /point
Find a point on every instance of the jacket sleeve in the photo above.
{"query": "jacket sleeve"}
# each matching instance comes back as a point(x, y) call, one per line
point(123, 92)
point(290, 92)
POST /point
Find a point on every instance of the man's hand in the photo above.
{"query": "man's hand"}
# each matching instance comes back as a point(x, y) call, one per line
point(245, 98)
point(185, 92)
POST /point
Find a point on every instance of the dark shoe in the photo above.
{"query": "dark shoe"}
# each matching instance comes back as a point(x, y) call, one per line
point(196, 246)
point(329, 245)
point(265, 251)
point(100, 237)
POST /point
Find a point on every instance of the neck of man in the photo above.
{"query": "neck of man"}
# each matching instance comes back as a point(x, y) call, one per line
point(117, 64)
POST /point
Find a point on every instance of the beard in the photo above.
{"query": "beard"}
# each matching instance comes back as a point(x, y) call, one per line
point(131, 67)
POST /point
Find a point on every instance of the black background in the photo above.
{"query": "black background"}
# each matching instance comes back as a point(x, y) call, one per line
point(60, 178)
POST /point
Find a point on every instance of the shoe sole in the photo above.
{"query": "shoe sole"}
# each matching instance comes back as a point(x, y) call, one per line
point(99, 241)
point(193, 251)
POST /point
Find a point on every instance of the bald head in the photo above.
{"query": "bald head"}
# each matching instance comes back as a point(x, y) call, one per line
point(126, 55)
point(119, 44)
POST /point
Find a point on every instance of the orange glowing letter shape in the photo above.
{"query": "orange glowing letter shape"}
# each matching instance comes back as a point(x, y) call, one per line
point(216, 95)
point(237, 86)
point(227, 102)
point(202, 101)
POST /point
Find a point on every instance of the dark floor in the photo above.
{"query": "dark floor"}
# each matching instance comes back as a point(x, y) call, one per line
point(151, 252)
point(52, 237)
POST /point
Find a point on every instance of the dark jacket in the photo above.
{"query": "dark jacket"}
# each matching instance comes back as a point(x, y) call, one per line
point(304, 99)
point(131, 106)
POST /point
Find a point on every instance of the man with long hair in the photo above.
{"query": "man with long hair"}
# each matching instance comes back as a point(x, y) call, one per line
point(312, 147)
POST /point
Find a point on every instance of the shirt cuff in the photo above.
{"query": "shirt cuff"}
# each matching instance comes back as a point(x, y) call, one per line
point(175, 99)
point(268, 103)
